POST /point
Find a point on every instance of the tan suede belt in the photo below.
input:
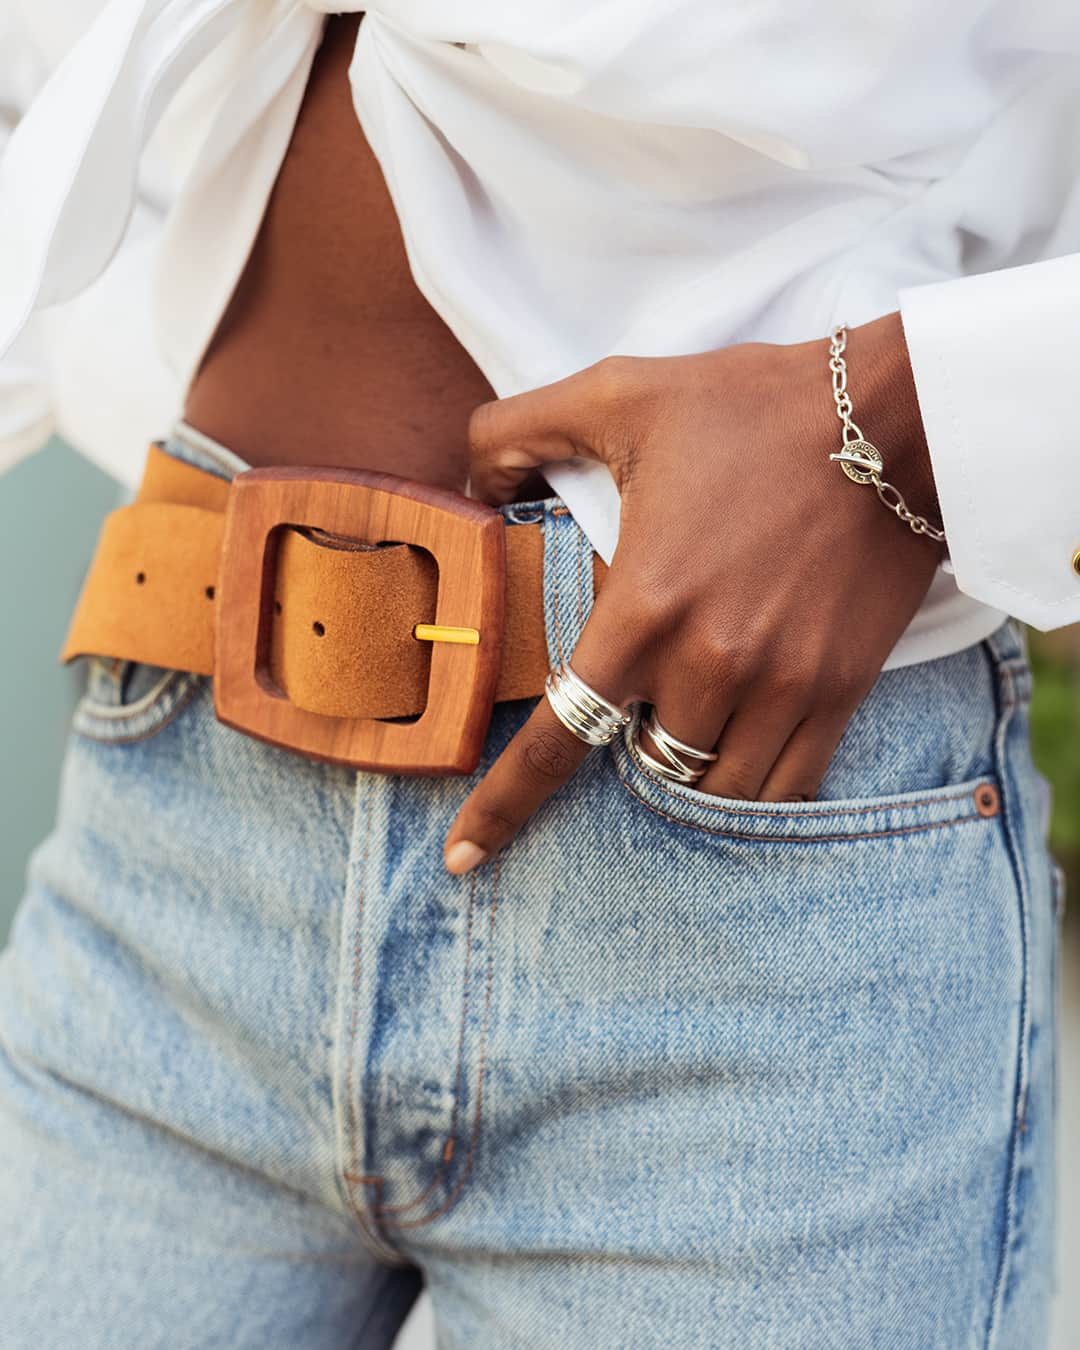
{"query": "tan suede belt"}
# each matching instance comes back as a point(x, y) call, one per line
point(325, 603)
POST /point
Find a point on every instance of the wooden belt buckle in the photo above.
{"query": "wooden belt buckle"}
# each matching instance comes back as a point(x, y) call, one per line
point(467, 540)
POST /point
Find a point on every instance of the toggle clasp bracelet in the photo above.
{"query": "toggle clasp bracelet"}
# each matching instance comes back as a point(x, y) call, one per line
point(859, 459)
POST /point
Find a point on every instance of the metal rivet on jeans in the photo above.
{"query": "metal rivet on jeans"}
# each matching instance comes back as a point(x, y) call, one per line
point(987, 801)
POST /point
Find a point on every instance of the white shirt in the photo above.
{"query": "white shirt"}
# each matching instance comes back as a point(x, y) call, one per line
point(575, 179)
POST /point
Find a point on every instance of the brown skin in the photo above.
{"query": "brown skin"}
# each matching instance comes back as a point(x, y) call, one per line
point(328, 353)
point(755, 592)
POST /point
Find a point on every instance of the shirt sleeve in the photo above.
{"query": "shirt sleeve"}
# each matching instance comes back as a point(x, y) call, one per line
point(26, 419)
point(996, 359)
point(99, 150)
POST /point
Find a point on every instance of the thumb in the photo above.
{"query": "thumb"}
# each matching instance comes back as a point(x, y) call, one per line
point(573, 417)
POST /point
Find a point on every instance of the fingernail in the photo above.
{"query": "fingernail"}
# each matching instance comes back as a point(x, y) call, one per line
point(462, 856)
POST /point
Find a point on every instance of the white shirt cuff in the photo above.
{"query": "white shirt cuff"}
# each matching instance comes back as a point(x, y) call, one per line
point(996, 359)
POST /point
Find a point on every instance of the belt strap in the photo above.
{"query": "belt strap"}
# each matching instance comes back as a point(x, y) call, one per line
point(341, 640)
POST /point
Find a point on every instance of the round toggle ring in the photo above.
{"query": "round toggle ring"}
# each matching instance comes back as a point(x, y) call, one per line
point(589, 715)
point(674, 751)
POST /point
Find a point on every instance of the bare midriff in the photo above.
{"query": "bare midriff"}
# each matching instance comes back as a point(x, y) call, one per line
point(328, 353)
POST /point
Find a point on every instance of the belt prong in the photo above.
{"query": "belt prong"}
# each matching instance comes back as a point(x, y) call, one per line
point(441, 632)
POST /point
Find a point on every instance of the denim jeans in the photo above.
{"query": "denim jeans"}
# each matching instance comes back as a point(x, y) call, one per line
point(672, 1071)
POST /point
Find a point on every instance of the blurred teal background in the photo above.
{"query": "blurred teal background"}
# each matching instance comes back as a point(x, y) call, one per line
point(50, 509)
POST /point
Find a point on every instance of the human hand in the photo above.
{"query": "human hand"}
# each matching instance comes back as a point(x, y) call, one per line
point(755, 592)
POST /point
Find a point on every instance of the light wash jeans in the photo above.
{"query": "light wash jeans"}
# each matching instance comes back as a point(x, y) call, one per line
point(672, 1071)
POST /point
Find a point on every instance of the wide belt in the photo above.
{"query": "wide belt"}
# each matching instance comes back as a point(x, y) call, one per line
point(318, 636)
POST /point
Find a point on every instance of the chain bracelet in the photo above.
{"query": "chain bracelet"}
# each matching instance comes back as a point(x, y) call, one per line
point(861, 461)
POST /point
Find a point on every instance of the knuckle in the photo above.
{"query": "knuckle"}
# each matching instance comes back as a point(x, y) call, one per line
point(547, 756)
point(715, 666)
point(624, 404)
point(493, 822)
point(484, 422)
point(789, 684)
point(723, 659)
point(738, 779)
point(617, 378)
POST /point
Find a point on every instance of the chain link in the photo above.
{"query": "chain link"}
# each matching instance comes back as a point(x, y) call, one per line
point(864, 463)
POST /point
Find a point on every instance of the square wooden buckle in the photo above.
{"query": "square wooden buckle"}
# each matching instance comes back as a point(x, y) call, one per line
point(467, 540)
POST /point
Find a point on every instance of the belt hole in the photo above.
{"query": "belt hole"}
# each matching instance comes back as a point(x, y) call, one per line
point(209, 592)
point(318, 629)
point(140, 577)
point(277, 606)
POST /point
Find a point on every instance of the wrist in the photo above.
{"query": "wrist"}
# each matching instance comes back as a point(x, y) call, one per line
point(887, 408)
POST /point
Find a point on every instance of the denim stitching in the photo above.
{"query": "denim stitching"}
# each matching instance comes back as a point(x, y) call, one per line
point(1057, 896)
point(1007, 669)
point(474, 1136)
point(350, 1105)
point(556, 549)
point(580, 583)
point(798, 839)
point(352, 1175)
point(448, 1146)
point(654, 781)
point(120, 711)
point(180, 693)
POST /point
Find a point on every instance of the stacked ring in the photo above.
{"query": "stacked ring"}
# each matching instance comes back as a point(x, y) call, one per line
point(675, 753)
point(589, 715)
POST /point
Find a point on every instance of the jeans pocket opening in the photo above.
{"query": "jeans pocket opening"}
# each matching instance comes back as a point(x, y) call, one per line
point(108, 711)
point(875, 817)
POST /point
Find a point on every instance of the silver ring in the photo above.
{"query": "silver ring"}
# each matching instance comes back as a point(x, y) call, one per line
point(674, 764)
point(589, 715)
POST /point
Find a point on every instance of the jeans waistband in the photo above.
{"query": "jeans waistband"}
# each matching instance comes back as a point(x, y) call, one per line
point(187, 443)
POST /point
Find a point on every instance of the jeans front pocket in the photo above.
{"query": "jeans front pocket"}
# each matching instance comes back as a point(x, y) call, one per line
point(970, 801)
point(129, 701)
point(917, 754)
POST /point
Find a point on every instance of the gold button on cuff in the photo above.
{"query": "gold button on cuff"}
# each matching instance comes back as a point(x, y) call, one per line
point(1076, 562)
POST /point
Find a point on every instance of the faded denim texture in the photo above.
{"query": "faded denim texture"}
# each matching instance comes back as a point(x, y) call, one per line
point(673, 1071)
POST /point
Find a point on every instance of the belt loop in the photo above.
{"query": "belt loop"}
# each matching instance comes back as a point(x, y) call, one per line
point(1009, 655)
point(1008, 652)
point(1008, 642)
point(105, 680)
point(568, 577)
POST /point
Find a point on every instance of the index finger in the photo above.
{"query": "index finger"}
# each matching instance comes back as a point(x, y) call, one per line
point(542, 756)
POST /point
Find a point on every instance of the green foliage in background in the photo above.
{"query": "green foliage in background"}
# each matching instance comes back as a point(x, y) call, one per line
point(1055, 736)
